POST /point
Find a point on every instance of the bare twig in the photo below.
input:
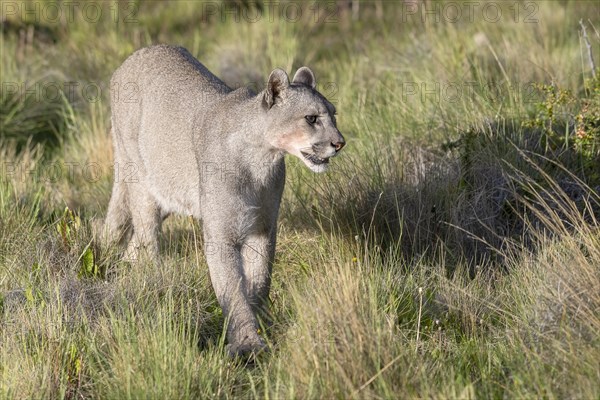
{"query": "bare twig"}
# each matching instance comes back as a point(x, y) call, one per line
point(419, 320)
point(381, 371)
point(589, 47)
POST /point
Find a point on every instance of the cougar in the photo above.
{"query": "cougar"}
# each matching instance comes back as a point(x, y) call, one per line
point(200, 148)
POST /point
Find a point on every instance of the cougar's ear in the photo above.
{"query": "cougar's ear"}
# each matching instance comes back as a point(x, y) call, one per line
point(278, 82)
point(305, 76)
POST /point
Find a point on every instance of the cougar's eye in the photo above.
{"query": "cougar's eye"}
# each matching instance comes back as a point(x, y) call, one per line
point(311, 119)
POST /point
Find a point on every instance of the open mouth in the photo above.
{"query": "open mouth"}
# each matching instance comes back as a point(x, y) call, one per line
point(314, 159)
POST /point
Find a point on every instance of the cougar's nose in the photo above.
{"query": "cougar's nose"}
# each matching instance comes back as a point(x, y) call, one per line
point(338, 146)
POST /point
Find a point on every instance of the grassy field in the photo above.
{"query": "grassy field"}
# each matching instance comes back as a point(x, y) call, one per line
point(451, 251)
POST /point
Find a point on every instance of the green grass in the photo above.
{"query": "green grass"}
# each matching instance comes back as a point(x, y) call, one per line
point(452, 251)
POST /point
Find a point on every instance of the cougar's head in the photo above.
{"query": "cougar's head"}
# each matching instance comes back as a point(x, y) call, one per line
point(301, 120)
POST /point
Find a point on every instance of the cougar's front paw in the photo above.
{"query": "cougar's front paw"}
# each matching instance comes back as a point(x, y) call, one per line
point(247, 348)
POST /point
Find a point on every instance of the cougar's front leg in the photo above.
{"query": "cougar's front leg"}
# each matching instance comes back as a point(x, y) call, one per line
point(225, 265)
point(257, 256)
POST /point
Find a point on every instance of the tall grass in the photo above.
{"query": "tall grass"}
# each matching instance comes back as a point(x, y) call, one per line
point(452, 251)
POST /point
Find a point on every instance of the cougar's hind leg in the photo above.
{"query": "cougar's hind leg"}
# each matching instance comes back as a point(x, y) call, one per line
point(117, 225)
point(146, 220)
